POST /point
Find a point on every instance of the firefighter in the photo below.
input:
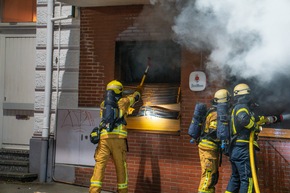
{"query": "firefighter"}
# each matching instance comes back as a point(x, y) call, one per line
point(113, 142)
point(209, 145)
point(243, 121)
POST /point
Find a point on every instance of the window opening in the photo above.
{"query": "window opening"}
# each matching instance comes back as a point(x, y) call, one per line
point(159, 109)
point(17, 11)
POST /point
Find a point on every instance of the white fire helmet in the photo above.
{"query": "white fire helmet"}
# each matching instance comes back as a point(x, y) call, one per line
point(222, 96)
point(241, 89)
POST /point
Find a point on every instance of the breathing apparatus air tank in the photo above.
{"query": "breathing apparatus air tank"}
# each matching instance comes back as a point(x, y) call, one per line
point(198, 118)
point(110, 112)
point(223, 131)
point(221, 100)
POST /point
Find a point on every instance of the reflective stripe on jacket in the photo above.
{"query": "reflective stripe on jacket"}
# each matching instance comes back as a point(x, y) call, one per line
point(242, 122)
point(209, 138)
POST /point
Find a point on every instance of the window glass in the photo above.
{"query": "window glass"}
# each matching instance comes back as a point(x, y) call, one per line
point(18, 11)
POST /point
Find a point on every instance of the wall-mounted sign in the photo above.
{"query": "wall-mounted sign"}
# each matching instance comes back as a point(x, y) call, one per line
point(197, 81)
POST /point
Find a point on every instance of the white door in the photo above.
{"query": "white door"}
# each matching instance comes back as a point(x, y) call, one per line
point(18, 54)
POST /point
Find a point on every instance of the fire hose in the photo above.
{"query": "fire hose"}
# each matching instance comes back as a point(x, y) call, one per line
point(264, 120)
point(252, 162)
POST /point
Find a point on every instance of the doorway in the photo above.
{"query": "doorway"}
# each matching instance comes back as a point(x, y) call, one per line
point(17, 87)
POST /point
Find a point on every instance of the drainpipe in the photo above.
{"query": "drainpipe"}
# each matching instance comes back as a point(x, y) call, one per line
point(47, 102)
point(48, 88)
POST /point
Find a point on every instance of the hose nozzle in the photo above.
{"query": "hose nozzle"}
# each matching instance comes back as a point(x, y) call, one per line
point(280, 118)
point(274, 119)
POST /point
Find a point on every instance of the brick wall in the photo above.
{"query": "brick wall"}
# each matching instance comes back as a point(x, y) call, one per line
point(274, 166)
point(164, 163)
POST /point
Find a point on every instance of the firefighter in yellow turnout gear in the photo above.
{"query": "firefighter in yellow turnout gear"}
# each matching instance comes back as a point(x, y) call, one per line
point(113, 141)
point(209, 146)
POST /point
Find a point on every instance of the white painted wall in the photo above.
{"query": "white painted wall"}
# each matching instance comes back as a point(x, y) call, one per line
point(66, 53)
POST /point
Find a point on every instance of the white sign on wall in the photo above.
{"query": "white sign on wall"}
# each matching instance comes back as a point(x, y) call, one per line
point(197, 81)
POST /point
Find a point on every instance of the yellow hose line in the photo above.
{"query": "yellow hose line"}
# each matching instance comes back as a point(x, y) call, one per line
point(252, 162)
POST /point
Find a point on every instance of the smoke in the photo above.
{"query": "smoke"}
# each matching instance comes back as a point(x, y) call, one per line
point(246, 38)
point(247, 41)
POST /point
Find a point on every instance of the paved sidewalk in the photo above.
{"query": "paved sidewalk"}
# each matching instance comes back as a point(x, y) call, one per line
point(35, 187)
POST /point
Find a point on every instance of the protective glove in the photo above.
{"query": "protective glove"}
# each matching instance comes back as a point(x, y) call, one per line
point(192, 141)
point(223, 144)
point(95, 135)
point(257, 128)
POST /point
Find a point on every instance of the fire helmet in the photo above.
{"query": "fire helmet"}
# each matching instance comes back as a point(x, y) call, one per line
point(241, 89)
point(222, 96)
point(115, 86)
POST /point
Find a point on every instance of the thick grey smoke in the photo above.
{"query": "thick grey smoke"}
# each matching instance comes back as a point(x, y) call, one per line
point(249, 37)
point(247, 41)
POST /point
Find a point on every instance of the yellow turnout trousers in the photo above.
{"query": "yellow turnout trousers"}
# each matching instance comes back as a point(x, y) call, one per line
point(209, 159)
point(117, 148)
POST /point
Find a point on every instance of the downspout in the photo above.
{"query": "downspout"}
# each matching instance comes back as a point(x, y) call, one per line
point(48, 88)
point(47, 102)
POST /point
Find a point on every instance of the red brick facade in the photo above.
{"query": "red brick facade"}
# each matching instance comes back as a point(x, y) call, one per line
point(165, 163)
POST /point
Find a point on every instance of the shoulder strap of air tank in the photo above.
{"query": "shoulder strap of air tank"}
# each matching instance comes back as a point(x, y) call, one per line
point(210, 110)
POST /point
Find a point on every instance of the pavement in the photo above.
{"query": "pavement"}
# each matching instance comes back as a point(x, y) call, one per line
point(36, 187)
